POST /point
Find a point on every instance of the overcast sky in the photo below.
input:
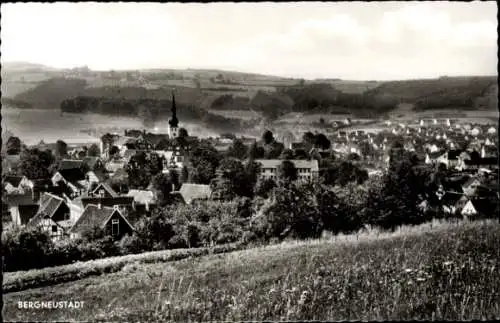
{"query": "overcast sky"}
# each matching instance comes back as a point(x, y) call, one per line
point(352, 40)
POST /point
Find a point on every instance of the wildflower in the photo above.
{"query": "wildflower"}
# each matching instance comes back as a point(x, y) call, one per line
point(420, 279)
point(447, 263)
point(408, 270)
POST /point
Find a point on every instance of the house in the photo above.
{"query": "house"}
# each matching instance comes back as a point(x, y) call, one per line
point(434, 158)
point(193, 192)
point(93, 177)
point(142, 199)
point(103, 190)
point(174, 158)
point(110, 219)
point(20, 207)
point(73, 180)
point(470, 186)
point(17, 184)
point(477, 207)
point(489, 151)
point(54, 216)
point(306, 169)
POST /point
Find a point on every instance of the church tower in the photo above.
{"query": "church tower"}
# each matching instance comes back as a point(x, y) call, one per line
point(173, 123)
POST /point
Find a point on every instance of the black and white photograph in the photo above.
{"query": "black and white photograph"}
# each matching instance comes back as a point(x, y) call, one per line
point(253, 161)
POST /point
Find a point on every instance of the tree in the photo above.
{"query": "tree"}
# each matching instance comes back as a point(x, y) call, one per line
point(308, 138)
point(13, 146)
point(273, 150)
point(93, 151)
point(264, 187)
point(268, 137)
point(184, 174)
point(35, 164)
point(256, 152)
point(183, 133)
point(113, 151)
point(293, 212)
point(61, 149)
point(287, 171)
point(204, 160)
point(141, 168)
point(287, 154)
point(237, 150)
point(163, 185)
point(322, 142)
point(232, 180)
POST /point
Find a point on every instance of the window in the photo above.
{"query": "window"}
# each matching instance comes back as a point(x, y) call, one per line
point(101, 193)
point(115, 226)
point(54, 228)
point(179, 159)
point(66, 216)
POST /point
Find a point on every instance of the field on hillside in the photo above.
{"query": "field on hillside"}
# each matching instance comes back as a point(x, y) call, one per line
point(238, 114)
point(442, 272)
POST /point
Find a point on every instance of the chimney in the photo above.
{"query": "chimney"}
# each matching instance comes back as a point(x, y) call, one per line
point(147, 206)
point(116, 207)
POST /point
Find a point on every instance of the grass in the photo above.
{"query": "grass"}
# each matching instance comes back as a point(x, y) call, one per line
point(445, 272)
point(22, 280)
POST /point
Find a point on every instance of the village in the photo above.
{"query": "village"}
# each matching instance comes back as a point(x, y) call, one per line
point(79, 194)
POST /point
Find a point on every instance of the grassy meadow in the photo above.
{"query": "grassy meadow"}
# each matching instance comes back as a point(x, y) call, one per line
point(443, 271)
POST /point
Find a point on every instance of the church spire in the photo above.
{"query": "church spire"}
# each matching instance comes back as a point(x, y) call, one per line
point(173, 122)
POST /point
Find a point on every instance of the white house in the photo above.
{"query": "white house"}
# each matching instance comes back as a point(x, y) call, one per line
point(306, 169)
point(17, 184)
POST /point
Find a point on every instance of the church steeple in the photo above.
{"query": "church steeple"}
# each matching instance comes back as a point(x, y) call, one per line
point(173, 122)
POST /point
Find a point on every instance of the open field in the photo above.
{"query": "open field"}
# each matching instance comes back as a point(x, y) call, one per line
point(238, 114)
point(444, 272)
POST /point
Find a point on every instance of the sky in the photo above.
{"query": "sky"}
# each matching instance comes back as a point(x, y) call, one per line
point(351, 40)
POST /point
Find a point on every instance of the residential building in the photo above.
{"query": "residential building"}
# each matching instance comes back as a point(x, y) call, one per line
point(307, 170)
point(109, 219)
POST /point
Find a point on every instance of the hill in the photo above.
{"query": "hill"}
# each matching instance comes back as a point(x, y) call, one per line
point(443, 272)
point(44, 87)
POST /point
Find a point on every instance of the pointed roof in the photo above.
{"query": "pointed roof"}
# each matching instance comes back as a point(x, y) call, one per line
point(173, 122)
point(93, 216)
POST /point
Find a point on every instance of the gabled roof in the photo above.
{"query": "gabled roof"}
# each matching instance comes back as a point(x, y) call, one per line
point(95, 216)
point(49, 204)
point(436, 154)
point(70, 164)
point(27, 212)
point(142, 196)
point(72, 175)
point(13, 180)
point(108, 189)
point(191, 192)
